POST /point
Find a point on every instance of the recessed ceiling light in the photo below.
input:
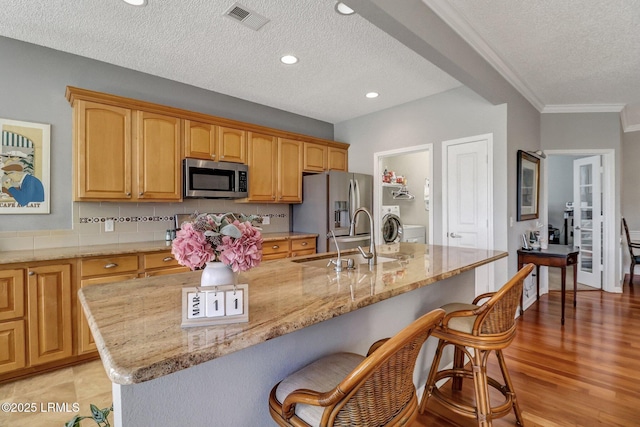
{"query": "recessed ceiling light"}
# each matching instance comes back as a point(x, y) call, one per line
point(372, 95)
point(343, 9)
point(136, 2)
point(289, 59)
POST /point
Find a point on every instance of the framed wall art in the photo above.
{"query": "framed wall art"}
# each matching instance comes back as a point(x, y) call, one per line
point(528, 186)
point(24, 167)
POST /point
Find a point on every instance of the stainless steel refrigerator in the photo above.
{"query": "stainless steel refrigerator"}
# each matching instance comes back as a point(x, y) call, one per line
point(328, 203)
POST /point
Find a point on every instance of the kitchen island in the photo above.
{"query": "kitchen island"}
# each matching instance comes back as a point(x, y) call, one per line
point(221, 375)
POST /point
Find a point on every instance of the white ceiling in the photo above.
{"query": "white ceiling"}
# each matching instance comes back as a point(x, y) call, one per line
point(561, 54)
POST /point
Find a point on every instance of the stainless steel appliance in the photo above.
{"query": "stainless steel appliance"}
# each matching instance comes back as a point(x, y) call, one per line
point(204, 179)
point(329, 201)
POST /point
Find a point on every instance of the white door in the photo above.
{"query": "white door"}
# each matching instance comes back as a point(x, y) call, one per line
point(587, 215)
point(467, 199)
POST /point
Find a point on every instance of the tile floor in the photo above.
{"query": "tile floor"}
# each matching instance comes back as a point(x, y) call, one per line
point(82, 385)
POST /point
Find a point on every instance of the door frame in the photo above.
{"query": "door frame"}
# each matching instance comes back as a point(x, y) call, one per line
point(378, 169)
point(486, 272)
point(609, 235)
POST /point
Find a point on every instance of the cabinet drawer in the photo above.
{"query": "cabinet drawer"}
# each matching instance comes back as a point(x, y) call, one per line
point(108, 265)
point(303, 244)
point(159, 260)
point(275, 247)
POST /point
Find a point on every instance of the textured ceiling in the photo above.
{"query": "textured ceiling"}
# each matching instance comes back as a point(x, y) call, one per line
point(570, 53)
point(341, 57)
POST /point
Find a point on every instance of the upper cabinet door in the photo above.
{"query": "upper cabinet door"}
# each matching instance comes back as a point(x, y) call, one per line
point(158, 157)
point(289, 171)
point(199, 140)
point(102, 155)
point(315, 157)
point(262, 161)
point(232, 145)
point(338, 159)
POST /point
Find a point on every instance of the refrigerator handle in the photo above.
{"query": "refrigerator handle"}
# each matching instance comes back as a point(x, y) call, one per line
point(352, 200)
point(357, 191)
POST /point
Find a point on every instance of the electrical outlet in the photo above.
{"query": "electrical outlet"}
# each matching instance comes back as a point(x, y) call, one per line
point(266, 220)
point(108, 226)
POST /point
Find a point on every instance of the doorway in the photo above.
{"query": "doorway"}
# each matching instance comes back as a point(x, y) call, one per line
point(563, 198)
point(415, 166)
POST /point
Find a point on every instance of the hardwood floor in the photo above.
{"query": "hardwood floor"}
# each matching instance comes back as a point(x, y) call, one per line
point(586, 373)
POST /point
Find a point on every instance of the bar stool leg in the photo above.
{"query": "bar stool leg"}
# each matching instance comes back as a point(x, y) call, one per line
point(458, 365)
point(481, 386)
point(431, 383)
point(509, 386)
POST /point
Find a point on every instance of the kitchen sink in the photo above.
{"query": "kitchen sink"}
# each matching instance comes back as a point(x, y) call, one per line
point(355, 256)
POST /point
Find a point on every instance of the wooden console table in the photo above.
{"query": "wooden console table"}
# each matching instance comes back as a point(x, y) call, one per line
point(555, 256)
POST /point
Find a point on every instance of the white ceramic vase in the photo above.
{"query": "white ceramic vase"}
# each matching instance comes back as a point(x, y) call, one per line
point(216, 273)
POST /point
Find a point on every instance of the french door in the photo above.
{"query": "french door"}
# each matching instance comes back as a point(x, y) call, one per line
point(587, 211)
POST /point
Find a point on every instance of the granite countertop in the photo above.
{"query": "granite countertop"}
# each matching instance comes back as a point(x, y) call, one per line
point(137, 328)
point(52, 254)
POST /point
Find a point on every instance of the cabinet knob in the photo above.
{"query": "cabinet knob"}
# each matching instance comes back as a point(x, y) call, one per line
point(213, 156)
point(304, 243)
point(141, 193)
point(32, 273)
point(128, 194)
point(222, 157)
point(275, 247)
point(111, 265)
point(167, 259)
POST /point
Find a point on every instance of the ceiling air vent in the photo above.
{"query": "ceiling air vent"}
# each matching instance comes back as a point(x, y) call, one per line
point(246, 16)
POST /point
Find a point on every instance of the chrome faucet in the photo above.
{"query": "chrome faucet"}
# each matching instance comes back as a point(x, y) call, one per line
point(371, 256)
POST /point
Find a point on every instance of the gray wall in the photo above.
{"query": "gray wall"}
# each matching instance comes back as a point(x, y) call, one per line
point(560, 173)
point(33, 81)
point(631, 179)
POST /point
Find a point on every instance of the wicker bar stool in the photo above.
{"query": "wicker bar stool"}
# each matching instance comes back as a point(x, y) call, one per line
point(347, 389)
point(483, 328)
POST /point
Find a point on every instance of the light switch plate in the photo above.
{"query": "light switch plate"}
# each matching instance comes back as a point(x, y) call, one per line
point(234, 302)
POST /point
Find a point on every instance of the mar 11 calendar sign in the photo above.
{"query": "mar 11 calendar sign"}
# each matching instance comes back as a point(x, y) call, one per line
point(24, 167)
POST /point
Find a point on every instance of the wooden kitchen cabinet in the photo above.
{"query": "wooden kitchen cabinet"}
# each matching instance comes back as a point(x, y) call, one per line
point(121, 154)
point(314, 157)
point(338, 159)
point(262, 160)
point(102, 151)
point(13, 353)
point(49, 313)
point(303, 246)
point(275, 169)
point(161, 263)
point(289, 171)
point(232, 145)
point(159, 163)
point(200, 140)
point(275, 249)
point(216, 143)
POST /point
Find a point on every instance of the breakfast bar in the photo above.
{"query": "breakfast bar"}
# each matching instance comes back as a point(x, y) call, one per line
point(163, 374)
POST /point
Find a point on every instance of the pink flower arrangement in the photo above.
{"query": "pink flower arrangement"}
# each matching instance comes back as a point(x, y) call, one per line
point(235, 242)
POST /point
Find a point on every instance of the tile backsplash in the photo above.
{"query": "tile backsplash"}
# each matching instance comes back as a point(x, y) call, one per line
point(134, 222)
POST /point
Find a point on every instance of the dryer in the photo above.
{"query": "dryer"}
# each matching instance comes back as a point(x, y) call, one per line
point(392, 229)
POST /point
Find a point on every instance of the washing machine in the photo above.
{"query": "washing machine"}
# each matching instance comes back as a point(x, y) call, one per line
point(392, 229)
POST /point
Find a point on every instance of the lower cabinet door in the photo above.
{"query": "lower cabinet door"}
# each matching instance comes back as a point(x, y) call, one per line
point(12, 346)
point(50, 330)
point(86, 344)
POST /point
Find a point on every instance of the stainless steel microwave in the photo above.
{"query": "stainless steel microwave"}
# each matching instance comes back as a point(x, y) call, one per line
point(205, 179)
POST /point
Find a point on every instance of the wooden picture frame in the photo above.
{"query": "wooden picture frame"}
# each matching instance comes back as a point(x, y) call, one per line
point(528, 186)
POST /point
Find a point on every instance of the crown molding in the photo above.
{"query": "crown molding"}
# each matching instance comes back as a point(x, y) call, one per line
point(583, 108)
point(461, 26)
point(630, 118)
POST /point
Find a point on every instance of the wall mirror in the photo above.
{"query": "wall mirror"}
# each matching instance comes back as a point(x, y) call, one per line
point(528, 186)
